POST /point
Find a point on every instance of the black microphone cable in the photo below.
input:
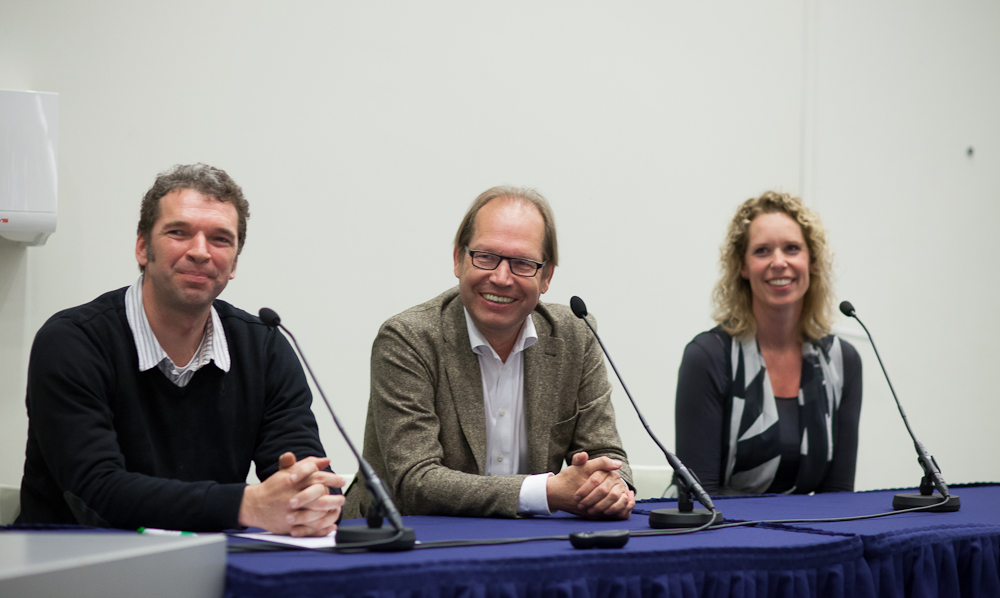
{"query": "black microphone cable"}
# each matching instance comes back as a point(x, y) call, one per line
point(932, 473)
point(711, 525)
point(403, 538)
point(686, 477)
point(947, 502)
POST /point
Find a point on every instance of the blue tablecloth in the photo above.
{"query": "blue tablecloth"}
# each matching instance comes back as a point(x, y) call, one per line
point(912, 554)
point(738, 562)
point(917, 554)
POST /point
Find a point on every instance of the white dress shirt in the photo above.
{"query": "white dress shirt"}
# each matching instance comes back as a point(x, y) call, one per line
point(213, 345)
point(503, 400)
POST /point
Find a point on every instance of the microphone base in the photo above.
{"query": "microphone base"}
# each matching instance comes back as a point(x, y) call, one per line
point(909, 500)
point(346, 536)
point(676, 519)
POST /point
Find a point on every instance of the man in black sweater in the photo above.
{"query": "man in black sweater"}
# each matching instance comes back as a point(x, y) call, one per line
point(147, 404)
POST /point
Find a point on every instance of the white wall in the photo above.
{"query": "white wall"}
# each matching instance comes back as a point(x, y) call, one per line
point(359, 129)
point(903, 90)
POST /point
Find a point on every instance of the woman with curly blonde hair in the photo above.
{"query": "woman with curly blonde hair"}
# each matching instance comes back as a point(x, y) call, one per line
point(769, 400)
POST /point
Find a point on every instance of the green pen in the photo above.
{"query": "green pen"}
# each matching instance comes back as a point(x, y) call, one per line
point(152, 531)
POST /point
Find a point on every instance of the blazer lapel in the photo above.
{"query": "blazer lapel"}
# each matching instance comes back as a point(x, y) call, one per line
point(542, 379)
point(465, 380)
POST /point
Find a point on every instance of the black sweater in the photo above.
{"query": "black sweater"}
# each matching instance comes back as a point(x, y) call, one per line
point(109, 445)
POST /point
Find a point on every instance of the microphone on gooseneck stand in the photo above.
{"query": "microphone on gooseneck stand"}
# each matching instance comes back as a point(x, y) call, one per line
point(932, 474)
point(373, 537)
point(685, 515)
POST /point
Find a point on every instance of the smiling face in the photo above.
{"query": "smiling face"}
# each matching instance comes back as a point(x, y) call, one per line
point(190, 256)
point(776, 262)
point(497, 300)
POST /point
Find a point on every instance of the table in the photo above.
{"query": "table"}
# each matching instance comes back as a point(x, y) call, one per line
point(930, 554)
point(85, 563)
point(914, 554)
point(741, 561)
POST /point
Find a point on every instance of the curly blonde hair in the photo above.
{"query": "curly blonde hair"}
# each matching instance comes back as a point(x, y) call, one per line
point(732, 298)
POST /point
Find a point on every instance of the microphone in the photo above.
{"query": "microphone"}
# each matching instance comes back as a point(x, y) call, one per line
point(579, 308)
point(372, 537)
point(269, 317)
point(932, 474)
point(687, 482)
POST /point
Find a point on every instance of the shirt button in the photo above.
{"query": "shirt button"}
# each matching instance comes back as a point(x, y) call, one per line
point(503, 412)
point(499, 458)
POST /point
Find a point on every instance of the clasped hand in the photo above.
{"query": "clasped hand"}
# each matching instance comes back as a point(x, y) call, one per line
point(591, 488)
point(295, 500)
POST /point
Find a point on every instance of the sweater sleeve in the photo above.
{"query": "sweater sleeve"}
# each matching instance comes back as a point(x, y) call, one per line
point(840, 476)
point(699, 409)
point(71, 380)
point(288, 423)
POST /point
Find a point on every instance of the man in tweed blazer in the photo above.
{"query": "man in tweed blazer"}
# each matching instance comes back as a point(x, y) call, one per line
point(479, 395)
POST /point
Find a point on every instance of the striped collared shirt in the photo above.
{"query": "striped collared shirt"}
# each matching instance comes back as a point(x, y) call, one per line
point(213, 345)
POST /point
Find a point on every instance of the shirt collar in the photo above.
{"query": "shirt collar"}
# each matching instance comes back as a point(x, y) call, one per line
point(148, 347)
point(481, 346)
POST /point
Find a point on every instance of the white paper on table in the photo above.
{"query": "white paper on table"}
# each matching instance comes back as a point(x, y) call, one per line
point(328, 541)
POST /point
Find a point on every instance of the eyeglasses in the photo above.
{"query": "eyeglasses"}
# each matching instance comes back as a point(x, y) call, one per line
point(484, 260)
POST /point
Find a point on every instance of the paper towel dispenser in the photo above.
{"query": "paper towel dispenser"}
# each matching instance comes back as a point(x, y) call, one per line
point(29, 122)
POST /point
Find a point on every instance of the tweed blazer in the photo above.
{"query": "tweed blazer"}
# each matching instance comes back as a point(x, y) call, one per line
point(425, 434)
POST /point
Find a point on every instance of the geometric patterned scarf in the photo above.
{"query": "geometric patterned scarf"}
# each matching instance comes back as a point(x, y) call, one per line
point(754, 449)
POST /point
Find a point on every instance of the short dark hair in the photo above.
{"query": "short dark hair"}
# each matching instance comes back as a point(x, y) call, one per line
point(550, 246)
point(202, 178)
